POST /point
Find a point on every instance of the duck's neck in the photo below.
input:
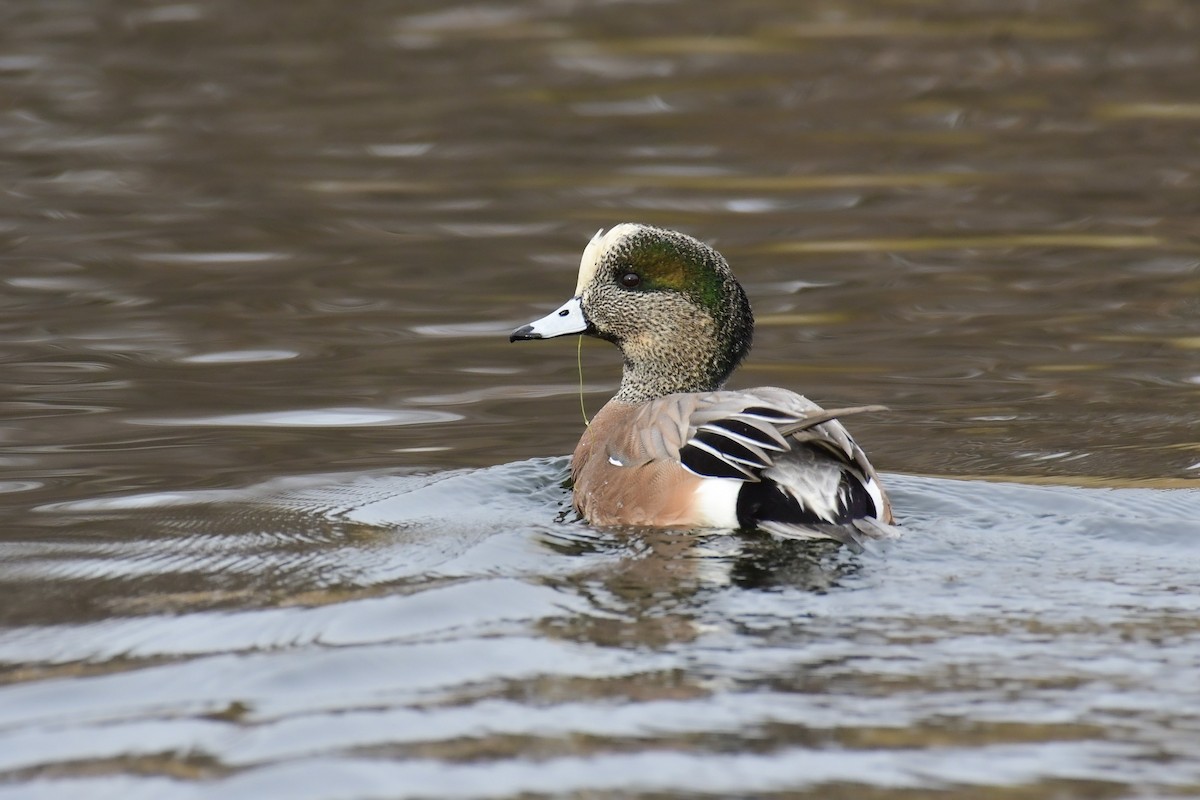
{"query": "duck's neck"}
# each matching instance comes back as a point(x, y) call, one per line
point(695, 351)
point(695, 364)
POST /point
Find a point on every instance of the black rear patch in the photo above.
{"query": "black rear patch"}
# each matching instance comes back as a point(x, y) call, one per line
point(766, 501)
point(854, 501)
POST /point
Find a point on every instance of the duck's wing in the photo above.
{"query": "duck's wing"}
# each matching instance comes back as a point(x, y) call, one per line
point(806, 477)
point(740, 443)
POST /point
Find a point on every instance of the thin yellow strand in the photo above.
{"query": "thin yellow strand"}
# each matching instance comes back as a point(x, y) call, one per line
point(587, 423)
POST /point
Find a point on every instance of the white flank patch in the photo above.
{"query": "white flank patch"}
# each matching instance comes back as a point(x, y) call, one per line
point(593, 254)
point(716, 502)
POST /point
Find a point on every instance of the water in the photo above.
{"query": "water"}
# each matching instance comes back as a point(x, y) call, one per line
point(282, 509)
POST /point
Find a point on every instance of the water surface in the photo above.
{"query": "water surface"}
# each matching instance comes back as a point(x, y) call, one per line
point(283, 510)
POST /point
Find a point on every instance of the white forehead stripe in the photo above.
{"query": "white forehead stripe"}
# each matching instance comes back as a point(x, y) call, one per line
point(590, 260)
point(593, 254)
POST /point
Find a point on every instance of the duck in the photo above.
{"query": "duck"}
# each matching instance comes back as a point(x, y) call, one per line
point(674, 448)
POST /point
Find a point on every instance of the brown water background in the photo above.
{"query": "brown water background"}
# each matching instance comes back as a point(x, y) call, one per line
point(258, 263)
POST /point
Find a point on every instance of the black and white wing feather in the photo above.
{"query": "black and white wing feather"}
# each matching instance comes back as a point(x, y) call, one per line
point(803, 474)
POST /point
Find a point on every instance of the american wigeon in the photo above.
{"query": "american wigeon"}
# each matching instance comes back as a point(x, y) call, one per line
point(674, 449)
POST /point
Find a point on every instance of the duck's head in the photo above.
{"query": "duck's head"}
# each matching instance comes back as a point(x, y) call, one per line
point(668, 301)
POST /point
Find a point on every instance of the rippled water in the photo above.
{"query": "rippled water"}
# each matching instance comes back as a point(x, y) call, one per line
point(282, 509)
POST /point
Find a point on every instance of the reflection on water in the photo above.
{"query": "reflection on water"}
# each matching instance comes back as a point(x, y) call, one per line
point(347, 636)
point(283, 512)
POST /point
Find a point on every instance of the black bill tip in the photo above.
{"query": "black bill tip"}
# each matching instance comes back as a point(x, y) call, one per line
point(524, 333)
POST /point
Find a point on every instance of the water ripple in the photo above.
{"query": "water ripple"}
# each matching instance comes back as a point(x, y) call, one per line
point(313, 417)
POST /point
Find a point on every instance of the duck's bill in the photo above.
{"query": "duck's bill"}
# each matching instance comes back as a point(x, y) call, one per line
point(563, 321)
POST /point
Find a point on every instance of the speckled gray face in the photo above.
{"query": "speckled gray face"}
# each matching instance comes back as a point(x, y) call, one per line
point(668, 301)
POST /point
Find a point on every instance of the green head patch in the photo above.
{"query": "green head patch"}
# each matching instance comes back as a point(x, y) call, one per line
point(671, 262)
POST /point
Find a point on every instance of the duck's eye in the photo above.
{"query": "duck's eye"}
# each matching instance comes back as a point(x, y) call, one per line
point(631, 280)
